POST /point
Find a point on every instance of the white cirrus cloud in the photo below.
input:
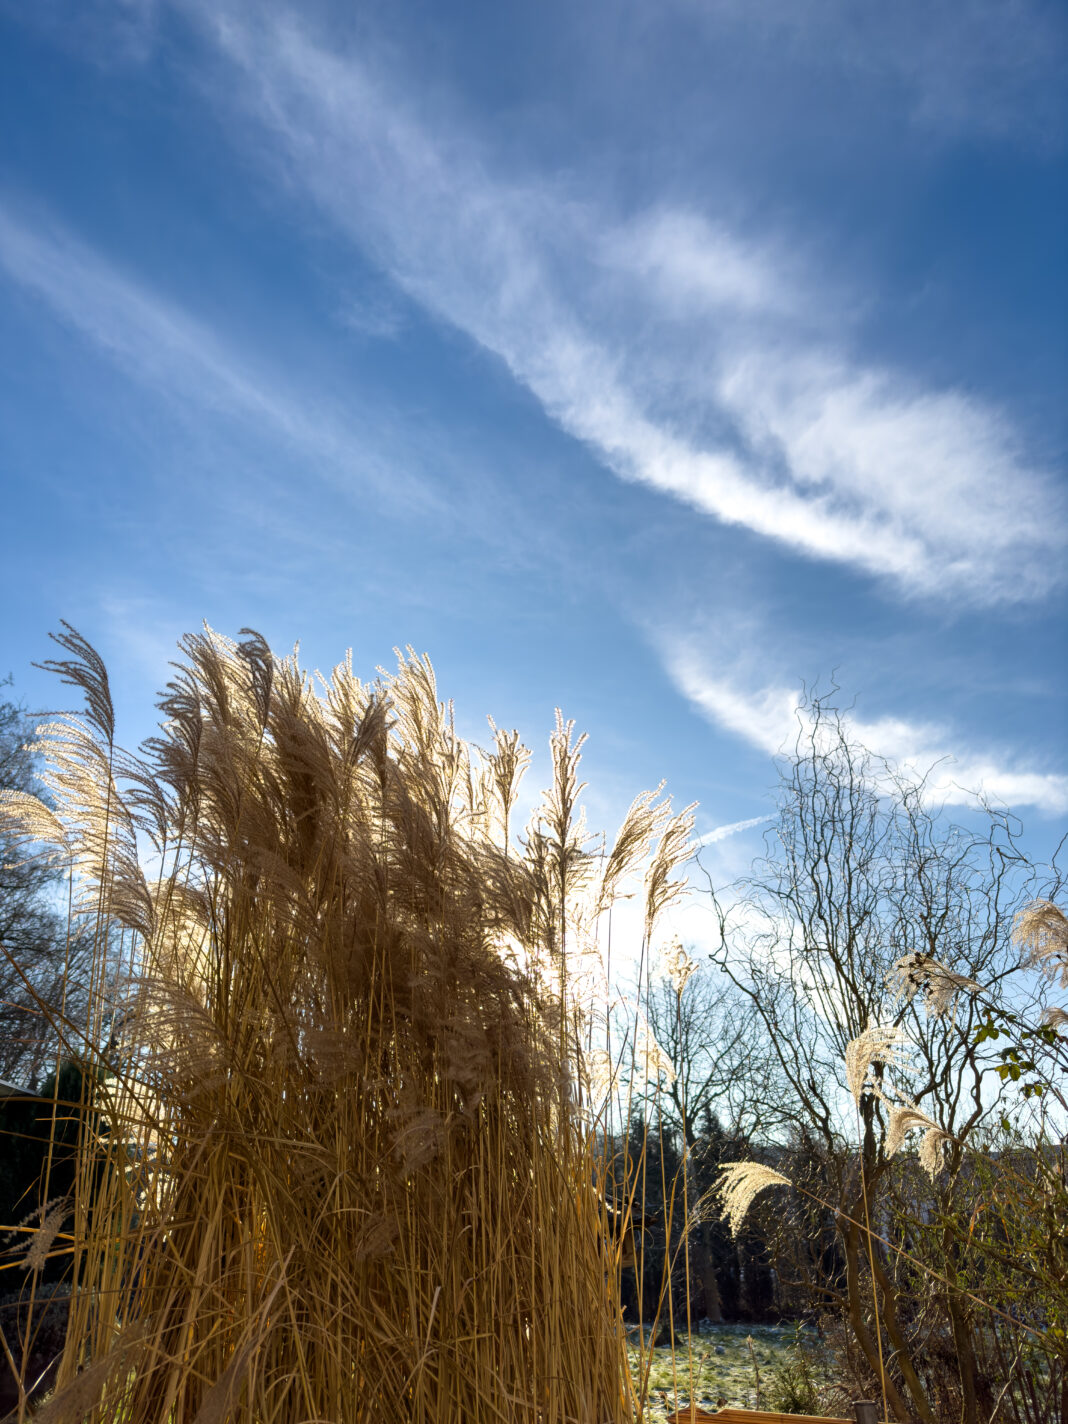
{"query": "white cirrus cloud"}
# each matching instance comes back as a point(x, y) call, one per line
point(161, 346)
point(956, 68)
point(686, 357)
point(772, 717)
point(734, 828)
point(688, 263)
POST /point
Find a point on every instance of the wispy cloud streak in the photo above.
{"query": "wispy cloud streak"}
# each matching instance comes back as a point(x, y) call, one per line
point(735, 828)
point(963, 67)
point(684, 356)
point(159, 345)
point(772, 717)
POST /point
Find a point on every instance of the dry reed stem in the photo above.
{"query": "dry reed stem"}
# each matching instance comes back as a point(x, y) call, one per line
point(345, 1044)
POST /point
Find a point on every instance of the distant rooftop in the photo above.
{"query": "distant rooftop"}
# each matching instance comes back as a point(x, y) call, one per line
point(15, 1090)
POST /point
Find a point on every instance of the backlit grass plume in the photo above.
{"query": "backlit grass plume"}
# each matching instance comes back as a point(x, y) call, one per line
point(904, 1118)
point(738, 1186)
point(347, 1176)
point(939, 986)
point(1041, 931)
point(882, 1044)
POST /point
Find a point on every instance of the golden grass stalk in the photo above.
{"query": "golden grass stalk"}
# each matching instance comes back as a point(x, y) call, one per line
point(346, 1175)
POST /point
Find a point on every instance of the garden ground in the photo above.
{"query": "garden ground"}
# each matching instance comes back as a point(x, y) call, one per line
point(732, 1364)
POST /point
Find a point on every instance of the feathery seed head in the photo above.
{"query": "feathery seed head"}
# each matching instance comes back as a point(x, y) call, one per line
point(1041, 931)
point(919, 973)
point(739, 1183)
point(36, 1256)
point(675, 848)
point(643, 822)
point(903, 1118)
point(85, 670)
point(677, 965)
point(27, 818)
point(931, 1147)
point(883, 1044)
point(601, 1071)
point(650, 1058)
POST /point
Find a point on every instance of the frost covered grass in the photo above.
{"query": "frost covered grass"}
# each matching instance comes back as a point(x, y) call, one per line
point(732, 1365)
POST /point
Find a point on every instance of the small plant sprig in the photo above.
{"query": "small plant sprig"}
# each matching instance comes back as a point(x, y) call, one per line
point(1019, 1059)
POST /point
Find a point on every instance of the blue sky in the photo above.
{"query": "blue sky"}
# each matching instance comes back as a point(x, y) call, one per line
point(649, 360)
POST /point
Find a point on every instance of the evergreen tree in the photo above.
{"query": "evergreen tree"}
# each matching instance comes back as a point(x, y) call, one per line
point(43, 960)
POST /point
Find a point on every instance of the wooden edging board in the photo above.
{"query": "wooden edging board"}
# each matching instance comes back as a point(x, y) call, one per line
point(694, 1415)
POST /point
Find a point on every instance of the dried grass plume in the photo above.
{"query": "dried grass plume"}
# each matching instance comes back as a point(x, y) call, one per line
point(1041, 931)
point(882, 1044)
point(346, 1056)
point(739, 1184)
point(916, 974)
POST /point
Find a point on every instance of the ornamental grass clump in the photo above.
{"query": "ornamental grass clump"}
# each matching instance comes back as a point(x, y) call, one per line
point(347, 1174)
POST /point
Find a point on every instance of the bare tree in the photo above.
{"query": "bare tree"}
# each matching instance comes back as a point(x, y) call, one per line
point(712, 1035)
point(720, 1089)
point(863, 878)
